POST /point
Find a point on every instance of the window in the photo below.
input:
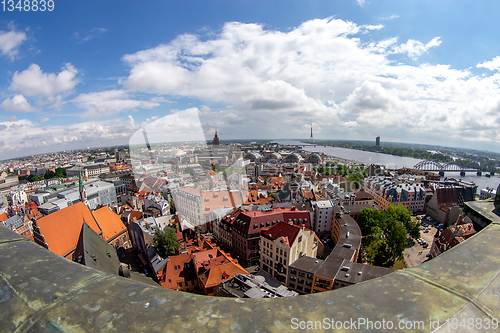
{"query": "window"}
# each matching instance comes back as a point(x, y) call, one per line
point(292, 285)
point(300, 239)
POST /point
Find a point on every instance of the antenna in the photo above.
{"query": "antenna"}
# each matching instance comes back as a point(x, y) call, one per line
point(312, 138)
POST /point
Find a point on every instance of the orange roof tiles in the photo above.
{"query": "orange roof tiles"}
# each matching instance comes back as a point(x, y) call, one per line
point(177, 269)
point(220, 199)
point(191, 190)
point(110, 223)
point(218, 274)
point(3, 217)
point(255, 198)
point(61, 229)
point(135, 215)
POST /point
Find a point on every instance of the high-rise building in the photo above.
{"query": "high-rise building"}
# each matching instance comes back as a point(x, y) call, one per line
point(377, 141)
point(312, 139)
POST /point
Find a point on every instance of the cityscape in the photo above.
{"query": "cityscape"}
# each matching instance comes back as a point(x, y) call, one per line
point(246, 173)
point(207, 219)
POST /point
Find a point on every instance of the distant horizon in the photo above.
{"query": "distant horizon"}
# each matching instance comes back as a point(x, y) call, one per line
point(257, 141)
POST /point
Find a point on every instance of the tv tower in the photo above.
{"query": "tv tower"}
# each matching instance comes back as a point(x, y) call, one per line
point(312, 139)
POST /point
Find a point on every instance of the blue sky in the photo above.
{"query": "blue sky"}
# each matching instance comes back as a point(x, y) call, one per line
point(91, 73)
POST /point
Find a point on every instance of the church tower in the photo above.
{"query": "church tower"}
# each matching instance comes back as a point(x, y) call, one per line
point(83, 194)
point(215, 141)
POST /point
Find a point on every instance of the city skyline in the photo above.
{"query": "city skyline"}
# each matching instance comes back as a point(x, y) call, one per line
point(420, 72)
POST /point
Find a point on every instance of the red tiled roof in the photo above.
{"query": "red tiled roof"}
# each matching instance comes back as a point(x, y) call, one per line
point(110, 223)
point(287, 231)
point(220, 273)
point(135, 215)
point(176, 271)
point(254, 221)
point(3, 217)
point(61, 229)
point(220, 199)
point(255, 198)
point(191, 190)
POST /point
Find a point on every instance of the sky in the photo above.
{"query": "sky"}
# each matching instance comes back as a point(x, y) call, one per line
point(92, 73)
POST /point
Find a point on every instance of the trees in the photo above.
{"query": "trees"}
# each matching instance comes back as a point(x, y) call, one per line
point(165, 242)
point(59, 173)
point(384, 233)
point(401, 213)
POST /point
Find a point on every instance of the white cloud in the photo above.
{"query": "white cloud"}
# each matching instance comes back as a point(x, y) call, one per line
point(109, 102)
point(374, 27)
point(392, 17)
point(273, 82)
point(361, 3)
point(18, 103)
point(34, 83)
point(94, 33)
point(493, 65)
point(10, 42)
point(415, 48)
point(23, 137)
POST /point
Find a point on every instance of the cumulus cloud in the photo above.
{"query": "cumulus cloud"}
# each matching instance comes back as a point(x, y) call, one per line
point(24, 137)
point(109, 102)
point(273, 83)
point(10, 42)
point(493, 65)
point(415, 48)
point(17, 103)
point(263, 83)
point(34, 82)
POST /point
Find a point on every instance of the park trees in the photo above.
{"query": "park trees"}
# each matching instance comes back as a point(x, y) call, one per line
point(385, 233)
point(165, 242)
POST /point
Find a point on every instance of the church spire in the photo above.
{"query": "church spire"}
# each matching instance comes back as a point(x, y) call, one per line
point(81, 188)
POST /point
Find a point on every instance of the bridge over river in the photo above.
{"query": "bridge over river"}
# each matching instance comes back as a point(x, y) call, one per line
point(442, 167)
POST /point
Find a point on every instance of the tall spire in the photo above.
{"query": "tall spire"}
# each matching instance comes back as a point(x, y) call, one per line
point(312, 139)
point(81, 188)
point(216, 141)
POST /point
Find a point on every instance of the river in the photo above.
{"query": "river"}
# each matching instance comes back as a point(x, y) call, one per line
point(389, 161)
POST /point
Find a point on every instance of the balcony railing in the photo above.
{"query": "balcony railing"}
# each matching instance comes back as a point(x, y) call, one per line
point(41, 292)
